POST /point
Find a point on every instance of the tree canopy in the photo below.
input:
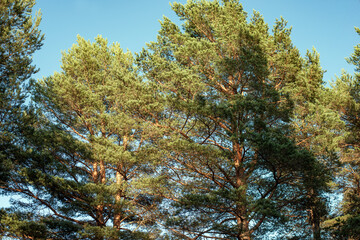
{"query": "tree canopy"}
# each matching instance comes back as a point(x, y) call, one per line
point(219, 129)
point(19, 38)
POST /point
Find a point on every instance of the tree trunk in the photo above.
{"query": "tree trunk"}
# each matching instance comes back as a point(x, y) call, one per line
point(119, 194)
point(241, 208)
point(315, 223)
point(314, 215)
point(99, 218)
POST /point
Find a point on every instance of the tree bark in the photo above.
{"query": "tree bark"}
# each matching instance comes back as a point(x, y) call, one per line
point(241, 210)
point(119, 195)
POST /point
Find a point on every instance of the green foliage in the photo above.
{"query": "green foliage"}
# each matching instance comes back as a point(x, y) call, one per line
point(18, 226)
point(345, 225)
point(88, 147)
point(219, 129)
point(226, 82)
point(19, 39)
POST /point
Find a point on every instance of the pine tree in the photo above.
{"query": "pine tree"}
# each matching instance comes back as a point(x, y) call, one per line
point(233, 169)
point(87, 152)
point(317, 126)
point(19, 39)
point(346, 225)
point(232, 134)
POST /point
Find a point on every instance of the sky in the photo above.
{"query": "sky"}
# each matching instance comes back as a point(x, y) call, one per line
point(327, 25)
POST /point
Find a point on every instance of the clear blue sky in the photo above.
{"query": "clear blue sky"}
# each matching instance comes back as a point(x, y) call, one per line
point(328, 25)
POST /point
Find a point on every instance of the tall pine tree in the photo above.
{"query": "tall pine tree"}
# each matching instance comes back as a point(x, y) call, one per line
point(86, 152)
point(19, 39)
point(317, 127)
point(229, 160)
point(346, 224)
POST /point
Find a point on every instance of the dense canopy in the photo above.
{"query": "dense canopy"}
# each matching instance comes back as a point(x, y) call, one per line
point(218, 129)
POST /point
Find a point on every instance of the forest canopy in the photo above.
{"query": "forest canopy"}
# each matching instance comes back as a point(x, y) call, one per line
point(218, 129)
